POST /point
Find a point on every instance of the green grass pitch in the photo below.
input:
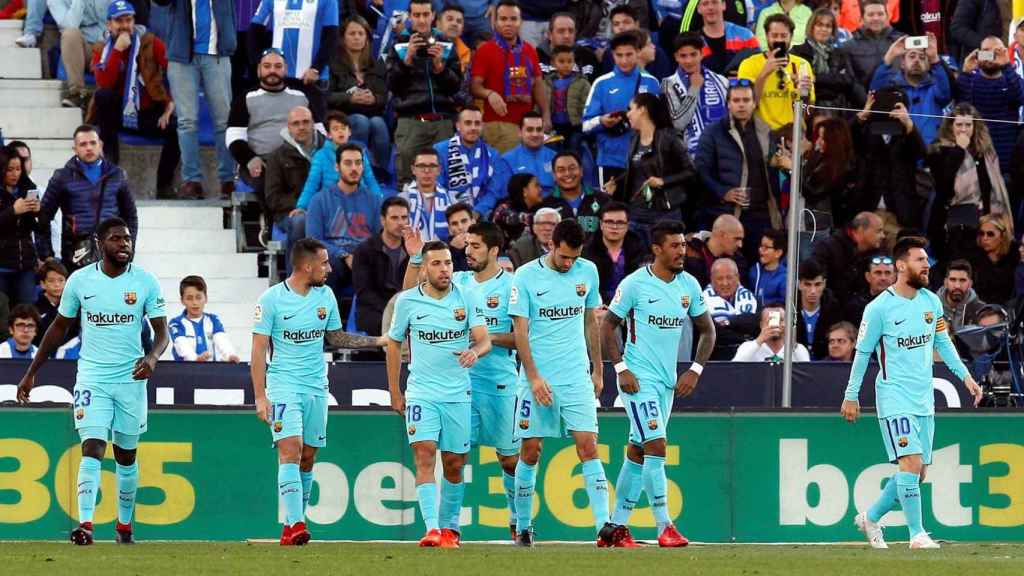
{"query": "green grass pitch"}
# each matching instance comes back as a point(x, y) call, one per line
point(186, 558)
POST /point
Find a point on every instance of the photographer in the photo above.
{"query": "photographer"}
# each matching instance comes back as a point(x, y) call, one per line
point(779, 77)
point(989, 82)
point(770, 344)
point(921, 77)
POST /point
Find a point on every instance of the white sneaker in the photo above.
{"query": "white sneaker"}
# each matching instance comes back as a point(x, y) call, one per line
point(26, 41)
point(871, 530)
point(923, 541)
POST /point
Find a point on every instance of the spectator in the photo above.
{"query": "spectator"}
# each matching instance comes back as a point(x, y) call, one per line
point(617, 251)
point(378, 265)
point(994, 260)
point(130, 65)
point(568, 91)
point(306, 35)
point(515, 212)
point(535, 17)
point(658, 176)
point(583, 203)
point(5, 311)
point(35, 11)
point(427, 200)
point(1017, 48)
point(459, 217)
point(924, 81)
point(531, 156)
point(255, 125)
point(358, 88)
point(201, 43)
point(506, 76)
point(724, 241)
point(624, 19)
point(471, 170)
point(20, 148)
point(323, 172)
point(972, 22)
point(841, 256)
point(197, 335)
point(770, 344)
point(960, 303)
point(870, 43)
point(605, 113)
point(87, 190)
point(724, 37)
point(778, 78)
point(24, 321)
point(795, 10)
point(287, 170)
point(994, 88)
point(52, 277)
point(732, 307)
point(595, 19)
point(82, 23)
point(562, 32)
point(880, 274)
point(733, 160)
point(841, 339)
point(818, 309)
point(344, 216)
point(768, 275)
point(968, 182)
point(830, 174)
point(19, 213)
point(696, 96)
point(451, 20)
point(538, 242)
point(834, 82)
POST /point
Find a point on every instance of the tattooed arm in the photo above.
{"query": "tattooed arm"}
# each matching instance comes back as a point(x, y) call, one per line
point(350, 341)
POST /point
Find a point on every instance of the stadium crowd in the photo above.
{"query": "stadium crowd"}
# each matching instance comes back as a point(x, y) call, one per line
point(376, 126)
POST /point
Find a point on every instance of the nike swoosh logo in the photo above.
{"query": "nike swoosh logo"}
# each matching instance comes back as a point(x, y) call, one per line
point(87, 297)
point(422, 317)
point(290, 317)
point(321, 437)
point(898, 322)
point(613, 90)
point(543, 293)
point(653, 301)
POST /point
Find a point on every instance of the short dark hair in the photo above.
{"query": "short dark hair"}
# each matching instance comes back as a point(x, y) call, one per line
point(393, 201)
point(470, 108)
point(779, 239)
point(962, 266)
point(350, 147)
point(566, 153)
point(449, 7)
point(570, 232)
point(423, 2)
point(628, 38)
point(490, 233)
point(529, 114)
point(305, 249)
point(905, 245)
point(779, 19)
point(192, 281)
point(107, 225)
point(664, 228)
point(508, 4)
point(25, 311)
point(84, 128)
point(557, 15)
point(51, 265)
point(336, 116)
point(810, 269)
point(691, 39)
point(456, 208)
point(612, 206)
point(623, 9)
point(17, 144)
point(434, 245)
point(425, 151)
point(562, 50)
point(865, 3)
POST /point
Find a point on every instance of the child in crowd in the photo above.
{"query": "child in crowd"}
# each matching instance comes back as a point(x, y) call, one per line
point(569, 91)
point(24, 324)
point(197, 335)
point(323, 171)
point(52, 277)
point(768, 276)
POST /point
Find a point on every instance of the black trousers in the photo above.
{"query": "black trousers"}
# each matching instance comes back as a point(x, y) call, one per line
point(109, 121)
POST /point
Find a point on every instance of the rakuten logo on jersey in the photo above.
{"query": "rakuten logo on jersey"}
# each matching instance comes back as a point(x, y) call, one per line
point(666, 321)
point(303, 336)
point(560, 313)
point(109, 319)
point(440, 336)
point(911, 342)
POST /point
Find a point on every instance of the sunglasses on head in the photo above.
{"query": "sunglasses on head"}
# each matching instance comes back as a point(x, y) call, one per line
point(881, 260)
point(741, 82)
point(270, 51)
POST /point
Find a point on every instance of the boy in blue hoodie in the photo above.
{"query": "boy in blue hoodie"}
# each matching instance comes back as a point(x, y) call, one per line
point(768, 277)
point(323, 172)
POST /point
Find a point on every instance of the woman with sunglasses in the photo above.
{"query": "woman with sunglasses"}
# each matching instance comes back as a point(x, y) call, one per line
point(995, 260)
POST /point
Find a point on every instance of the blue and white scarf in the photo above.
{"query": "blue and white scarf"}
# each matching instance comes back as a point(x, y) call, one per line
point(466, 175)
point(690, 115)
point(133, 85)
point(429, 221)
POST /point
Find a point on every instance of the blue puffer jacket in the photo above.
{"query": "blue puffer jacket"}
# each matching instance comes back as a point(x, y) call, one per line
point(75, 196)
point(181, 34)
point(612, 93)
point(929, 97)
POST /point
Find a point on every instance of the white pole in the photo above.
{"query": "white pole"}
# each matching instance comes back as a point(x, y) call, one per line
point(792, 254)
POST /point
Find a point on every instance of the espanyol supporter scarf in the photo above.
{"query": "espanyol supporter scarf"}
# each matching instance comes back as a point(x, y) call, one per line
point(518, 74)
point(710, 104)
point(132, 82)
point(465, 174)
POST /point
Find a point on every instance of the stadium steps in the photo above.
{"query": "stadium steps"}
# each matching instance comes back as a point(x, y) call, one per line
point(179, 238)
point(10, 30)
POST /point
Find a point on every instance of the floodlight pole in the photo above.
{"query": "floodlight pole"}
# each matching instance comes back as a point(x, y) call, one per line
point(792, 253)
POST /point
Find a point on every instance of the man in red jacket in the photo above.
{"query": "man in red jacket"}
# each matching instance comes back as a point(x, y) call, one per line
point(130, 67)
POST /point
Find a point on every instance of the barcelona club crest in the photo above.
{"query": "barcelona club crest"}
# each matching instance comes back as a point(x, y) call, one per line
point(903, 442)
point(686, 301)
point(492, 301)
point(278, 426)
point(652, 424)
point(321, 313)
point(412, 429)
point(130, 298)
point(581, 289)
point(460, 314)
point(928, 317)
point(524, 424)
point(80, 413)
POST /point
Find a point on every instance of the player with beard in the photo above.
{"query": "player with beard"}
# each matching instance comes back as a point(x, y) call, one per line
point(292, 320)
point(447, 336)
point(112, 297)
point(904, 325)
point(656, 300)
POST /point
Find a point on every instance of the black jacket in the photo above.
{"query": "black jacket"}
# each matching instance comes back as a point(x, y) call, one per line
point(843, 266)
point(633, 250)
point(838, 86)
point(696, 263)
point(375, 282)
point(343, 81)
point(994, 281)
point(944, 162)
point(973, 21)
point(285, 174)
point(889, 170)
point(417, 89)
point(829, 315)
point(673, 165)
point(16, 249)
point(865, 52)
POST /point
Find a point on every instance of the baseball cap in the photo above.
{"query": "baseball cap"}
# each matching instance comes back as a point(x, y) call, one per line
point(119, 8)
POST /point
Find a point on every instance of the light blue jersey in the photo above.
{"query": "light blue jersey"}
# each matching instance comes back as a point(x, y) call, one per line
point(655, 312)
point(495, 373)
point(554, 303)
point(905, 334)
point(112, 314)
point(296, 326)
point(438, 332)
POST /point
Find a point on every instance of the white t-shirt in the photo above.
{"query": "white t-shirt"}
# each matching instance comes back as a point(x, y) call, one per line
point(751, 351)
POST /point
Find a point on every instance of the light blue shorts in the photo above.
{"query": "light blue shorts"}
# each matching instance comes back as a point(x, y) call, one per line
point(493, 423)
point(573, 409)
point(100, 408)
point(446, 423)
point(648, 411)
point(906, 434)
point(298, 414)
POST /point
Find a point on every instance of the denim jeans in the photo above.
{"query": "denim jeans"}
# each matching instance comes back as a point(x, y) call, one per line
point(372, 132)
point(214, 73)
point(36, 11)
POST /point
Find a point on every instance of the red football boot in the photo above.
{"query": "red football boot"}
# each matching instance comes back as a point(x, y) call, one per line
point(671, 538)
point(432, 539)
point(124, 533)
point(512, 530)
point(626, 540)
point(295, 535)
point(82, 536)
point(286, 535)
point(449, 539)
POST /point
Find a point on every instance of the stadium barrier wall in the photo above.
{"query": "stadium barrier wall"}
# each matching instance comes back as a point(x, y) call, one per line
point(743, 477)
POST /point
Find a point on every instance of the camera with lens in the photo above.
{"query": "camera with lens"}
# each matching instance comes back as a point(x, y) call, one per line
point(422, 51)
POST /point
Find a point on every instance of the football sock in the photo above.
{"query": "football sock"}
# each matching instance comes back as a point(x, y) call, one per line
point(127, 486)
point(451, 503)
point(627, 491)
point(289, 489)
point(525, 475)
point(887, 500)
point(427, 496)
point(597, 490)
point(88, 486)
point(656, 486)
point(510, 495)
point(307, 487)
point(909, 489)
